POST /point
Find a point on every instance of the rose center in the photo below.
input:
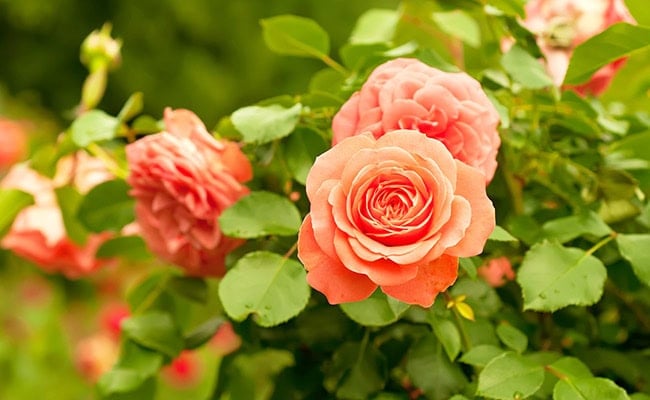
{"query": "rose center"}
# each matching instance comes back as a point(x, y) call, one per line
point(394, 209)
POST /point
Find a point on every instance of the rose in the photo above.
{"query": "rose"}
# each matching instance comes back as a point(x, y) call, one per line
point(95, 355)
point(394, 212)
point(561, 25)
point(408, 94)
point(38, 233)
point(497, 271)
point(13, 142)
point(182, 179)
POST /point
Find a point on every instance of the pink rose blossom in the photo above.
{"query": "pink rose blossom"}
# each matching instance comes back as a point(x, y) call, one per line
point(182, 179)
point(13, 142)
point(497, 271)
point(561, 25)
point(408, 94)
point(38, 233)
point(394, 212)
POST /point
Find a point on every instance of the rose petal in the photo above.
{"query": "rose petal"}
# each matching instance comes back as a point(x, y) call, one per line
point(430, 280)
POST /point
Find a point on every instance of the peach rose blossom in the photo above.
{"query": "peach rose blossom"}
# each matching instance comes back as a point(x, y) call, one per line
point(225, 340)
point(497, 272)
point(561, 25)
point(38, 233)
point(13, 142)
point(394, 212)
point(182, 179)
point(408, 94)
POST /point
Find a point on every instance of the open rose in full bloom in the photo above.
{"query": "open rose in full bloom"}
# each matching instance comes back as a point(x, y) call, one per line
point(394, 212)
point(407, 94)
point(182, 179)
point(38, 232)
point(561, 25)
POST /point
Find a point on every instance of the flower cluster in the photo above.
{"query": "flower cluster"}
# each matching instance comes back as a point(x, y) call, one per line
point(401, 194)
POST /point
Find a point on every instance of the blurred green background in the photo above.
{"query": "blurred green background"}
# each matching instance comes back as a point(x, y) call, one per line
point(205, 55)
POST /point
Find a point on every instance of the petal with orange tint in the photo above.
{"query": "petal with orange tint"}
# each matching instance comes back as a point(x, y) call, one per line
point(470, 186)
point(380, 271)
point(330, 164)
point(431, 279)
point(328, 275)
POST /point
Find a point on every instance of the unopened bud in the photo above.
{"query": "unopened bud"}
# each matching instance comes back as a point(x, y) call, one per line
point(99, 50)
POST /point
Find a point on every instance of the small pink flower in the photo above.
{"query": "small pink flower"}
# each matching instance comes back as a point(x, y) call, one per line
point(38, 233)
point(497, 272)
point(111, 318)
point(408, 94)
point(184, 371)
point(225, 340)
point(561, 25)
point(13, 142)
point(95, 355)
point(394, 212)
point(182, 179)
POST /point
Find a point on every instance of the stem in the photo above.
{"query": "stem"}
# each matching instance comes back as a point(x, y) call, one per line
point(153, 295)
point(628, 300)
point(291, 250)
point(555, 372)
point(600, 244)
point(467, 342)
point(109, 162)
point(334, 65)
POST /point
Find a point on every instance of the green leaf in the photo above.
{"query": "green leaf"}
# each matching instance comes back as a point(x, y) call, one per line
point(468, 266)
point(93, 126)
point(617, 41)
point(447, 333)
point(431, 370)
point(376, 310)
point(376, 25)
point(632, 149)
point(263, 124)
point(481, 355)
point(131, 108)
point(571, 367)
point(295, 36)
point(147, 124)
point(69, 199)
point(194, 289)
point(513, 8)
point(155, 330)
point(260, 214)
point(126, 384)
point(634, 248)
point(501, 235)
point(552, 277)
point(126, 247)
point(459, 24)
point(203, 333)
point(107, 207)
point(512, 337)
point(568, 228)
point(133, 356)
point(271, 287)
point(525, 69)
point(363, 370)
point(302, 148)
point(11, 202)
point(588, 389)
point(509, 376)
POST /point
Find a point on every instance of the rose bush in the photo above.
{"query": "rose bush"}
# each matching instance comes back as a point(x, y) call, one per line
point(408, 94)
point(561, 25)
point(182, 179)
point(38, 233)
point(394, 212)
